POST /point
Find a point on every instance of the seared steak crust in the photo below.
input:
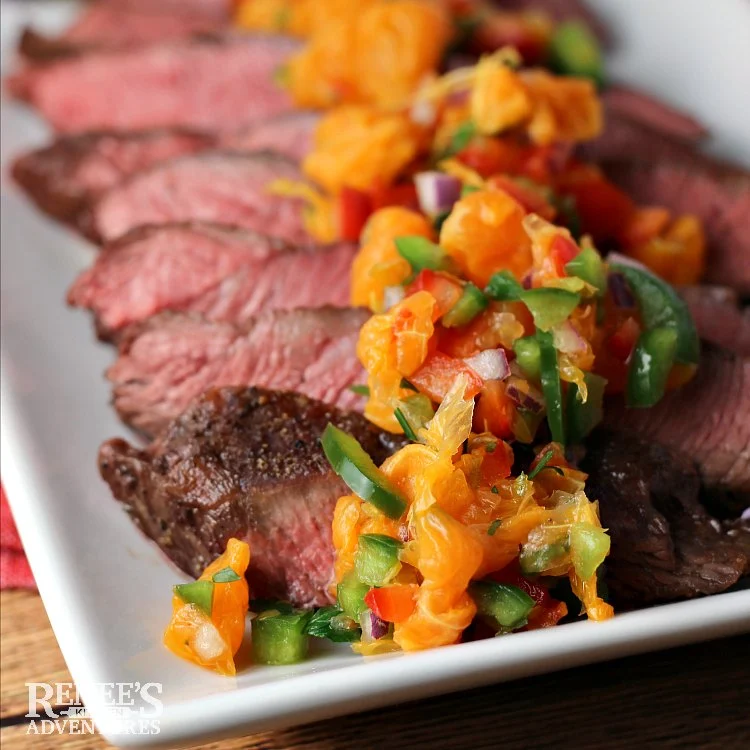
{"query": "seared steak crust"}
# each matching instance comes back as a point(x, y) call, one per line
point(708, 419)
point(64, 178)
point(664, 544)
point(245, 463)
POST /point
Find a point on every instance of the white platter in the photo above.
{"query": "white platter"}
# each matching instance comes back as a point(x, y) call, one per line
point(107, 589)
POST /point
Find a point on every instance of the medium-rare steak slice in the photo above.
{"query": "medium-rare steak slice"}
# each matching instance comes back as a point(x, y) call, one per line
point(718, 195)
point(172, 358)
point(64, 178)
point(113, 24)
point(290, 134)
point(664, 544)
point(718, 317)
point(226, 187)
point(245, 463)
point(210, 84)
point(708, 419)
point(225, 273)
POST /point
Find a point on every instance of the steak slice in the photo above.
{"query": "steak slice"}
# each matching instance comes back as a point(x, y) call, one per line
point(245, 463)
point(664, 544)
point(64, 178)
point(226, 187)
point(718, 195)
point(225, 273)
point(718, 317)
point(173, 358)
point(289, 134)
point(210, 84)
point(112, 24)
point(708, 419)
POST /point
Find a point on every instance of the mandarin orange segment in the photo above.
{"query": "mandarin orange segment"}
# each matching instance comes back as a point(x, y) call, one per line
point(484, 234)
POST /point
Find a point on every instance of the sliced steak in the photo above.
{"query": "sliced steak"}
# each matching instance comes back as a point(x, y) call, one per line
point(226, 187)
point(211, 84)
point(225, 273)
point(288, 134)
point(245, 463)
point(114, 24)
point(64, 178)
point(719, 196)
point(708, 419)
point(664, 544)
point(718, 317)
point(173, 358)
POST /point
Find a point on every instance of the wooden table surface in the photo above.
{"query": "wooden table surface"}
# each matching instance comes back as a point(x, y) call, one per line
point(696, 696)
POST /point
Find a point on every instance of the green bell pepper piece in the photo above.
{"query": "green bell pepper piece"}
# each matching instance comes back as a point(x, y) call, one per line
point(661, 307)
point(421, 253)
point(549, 306)
point(588, 265)
point(589, 545)
point(528, 356)
point(200, 593)
point(349, 460)
point(575, 51)
point(503, 286)
point(506, 607)
point(551, 388)
point(469, 305)
point(536, 561)
point(376, 560)
point(280, 638)
point(583, 417)
point(350, 594)
point(650, 364)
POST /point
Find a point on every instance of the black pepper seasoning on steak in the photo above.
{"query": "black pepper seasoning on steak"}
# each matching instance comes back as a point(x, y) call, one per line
point(243, 462)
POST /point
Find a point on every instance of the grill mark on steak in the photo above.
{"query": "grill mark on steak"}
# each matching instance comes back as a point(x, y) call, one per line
point(664, 544)
point(162, 85)
point(213, 186)
point(708, 419)
point(243, 462)
point(718, 195)
point(172, 358)
point(225, 273)
point(64, 178)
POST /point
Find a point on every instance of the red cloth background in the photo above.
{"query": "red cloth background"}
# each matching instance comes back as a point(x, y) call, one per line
point(15, 572)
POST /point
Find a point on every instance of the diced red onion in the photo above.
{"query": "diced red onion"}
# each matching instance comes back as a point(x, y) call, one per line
point(437, 192)
point(491, 364)
point(373, 628)
point(526, 398)
point(392, 295)
point(526, 280)
point(620, 291)
point(567, 339)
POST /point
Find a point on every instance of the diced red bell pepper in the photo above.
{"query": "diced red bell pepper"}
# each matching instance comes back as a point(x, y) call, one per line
point(494, 413)
point(444, 288)
point(561, 251)
point(546, 615)
point(354, 209)
point(604, 210)
point(531, 200)
point(438, 374)
point(488, 156)
point(403, 194)
point(622, 342)
point(393, 603)
point(496, 463)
